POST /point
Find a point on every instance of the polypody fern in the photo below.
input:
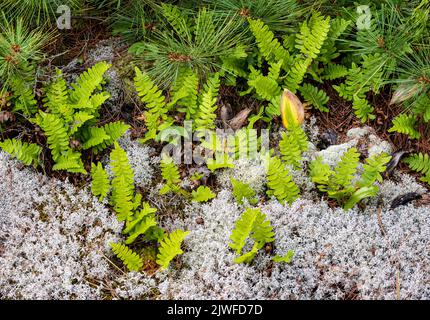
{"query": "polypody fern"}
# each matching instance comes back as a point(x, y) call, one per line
point(170, 247)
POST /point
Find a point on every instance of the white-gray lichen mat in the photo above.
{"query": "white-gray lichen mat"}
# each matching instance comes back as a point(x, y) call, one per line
point(54, 241)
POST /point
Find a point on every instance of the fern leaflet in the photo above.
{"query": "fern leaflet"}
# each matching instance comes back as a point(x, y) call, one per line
point(202, 194)
point(131, 259)
point(140, 222)
point(28, 153)
point(170, 247)
point(280, 183)
point(100, 186)
point(122, 184)
point(373, 168)
point(170, 174)
point(243, 191)
point(362, 109)
point(312, 35)
point(315, 97)
point(405, 124)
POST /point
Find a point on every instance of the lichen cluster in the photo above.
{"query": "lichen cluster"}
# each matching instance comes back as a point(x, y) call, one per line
point(54, 241)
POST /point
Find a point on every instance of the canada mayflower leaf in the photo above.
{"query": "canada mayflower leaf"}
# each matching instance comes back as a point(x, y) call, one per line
point(292, 110)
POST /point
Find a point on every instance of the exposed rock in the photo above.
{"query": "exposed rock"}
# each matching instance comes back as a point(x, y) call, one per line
point(361, 138)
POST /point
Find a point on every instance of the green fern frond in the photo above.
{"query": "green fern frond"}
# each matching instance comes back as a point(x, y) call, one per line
point(28, 153)
point(269, 47)
point(24, 96)
point(405, 124)
point(334, 71)
point(329, 50)
point(339, 183)
point(154, 100)
point(71, 115)
point(56, 132)
point(98, 99)
point(206, 116)
point(242, 229)
point(131, 259)
point(122, 183)
point(70, 161)
point(246, 143)
point(275, 69)
point(178, 20)
point(78, 120)
point(252, 224)
point(243, 191)
point(100, 138)
point(202, 194)
point(372, 169)
point(364, 78)
point(88, 82)
point(140, 223)
point(57, 97)
point(362, 109)
point(262, 231)
point(297, 73)
point(280, 182)
point(293, 143)
point(96, 136)
point(184, 92)
point(235, 64)
point(248, 256)
point(312, 35)
point(351, 87)
point(170, 174)
point(100, 185)
point(272, 110)
point(170, 247)
point(266, 87)
point(149, 93)
point(315, 97)
point(345, 170)
point(290, 151)
point(360, 194)
point(420, 162)
point(320, 173)
point(114, 131)
point(220, 162)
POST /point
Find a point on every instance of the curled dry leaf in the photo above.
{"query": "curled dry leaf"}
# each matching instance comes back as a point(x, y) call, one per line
point(6, 116)
point(404, 92)
point(394, 162)
point(405, 199)
point(240, 119)
point(225, 114)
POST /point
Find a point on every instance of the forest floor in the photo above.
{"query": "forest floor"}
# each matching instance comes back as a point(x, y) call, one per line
point(382, 254)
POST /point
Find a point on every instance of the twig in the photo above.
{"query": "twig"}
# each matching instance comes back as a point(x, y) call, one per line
point(398, 284)
point(380, 221)
point(110, 261)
